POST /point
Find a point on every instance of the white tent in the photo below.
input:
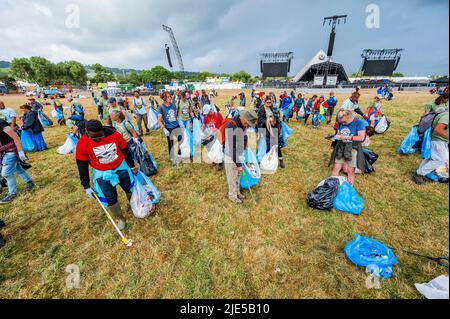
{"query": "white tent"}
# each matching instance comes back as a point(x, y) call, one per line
point(320, 57)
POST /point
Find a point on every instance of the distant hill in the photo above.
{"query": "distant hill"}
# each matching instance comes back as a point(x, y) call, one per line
point(5, 65)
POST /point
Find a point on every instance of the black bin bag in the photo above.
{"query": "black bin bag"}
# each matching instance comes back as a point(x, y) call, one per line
point(323, 197)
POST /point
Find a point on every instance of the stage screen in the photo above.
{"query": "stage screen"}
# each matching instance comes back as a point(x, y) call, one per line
point(318, 80)
point(379, 68)
point(273, 70)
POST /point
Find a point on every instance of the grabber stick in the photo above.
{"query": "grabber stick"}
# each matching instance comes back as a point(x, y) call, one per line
point(249, 188)
point(126, 241)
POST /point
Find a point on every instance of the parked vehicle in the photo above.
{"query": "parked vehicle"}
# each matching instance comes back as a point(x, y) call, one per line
point(50, 92)
point(3, 89)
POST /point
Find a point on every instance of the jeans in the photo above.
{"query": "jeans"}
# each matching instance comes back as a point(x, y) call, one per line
point(10, 167)
point(170, 141)
point(140, 118)
point(110, 192)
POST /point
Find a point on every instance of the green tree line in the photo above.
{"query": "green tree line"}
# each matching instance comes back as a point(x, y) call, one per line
point(43, 72)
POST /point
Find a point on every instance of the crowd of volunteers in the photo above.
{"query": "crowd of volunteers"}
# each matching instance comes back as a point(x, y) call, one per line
point(113, 146)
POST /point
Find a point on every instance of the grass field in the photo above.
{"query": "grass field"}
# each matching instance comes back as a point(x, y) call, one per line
point(201, 246)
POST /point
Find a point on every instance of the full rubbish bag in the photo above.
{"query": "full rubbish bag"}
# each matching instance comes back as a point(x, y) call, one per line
point(348, 200)
point(383, 125)
point(27, 142)
point(408, 145)
point(287, 132)
point(141, 200)
point(149, 187)
point(269, 163)
point(147, 164)
point(371, 158)
point(252, 170)
point(216, 154)
point(323, 196)
point(426, 146)
point(44, 119)
point(186, 144)
point(262, 149)
point(368, 252)
point(69, 146)
point(153, 120)
point(287, 111)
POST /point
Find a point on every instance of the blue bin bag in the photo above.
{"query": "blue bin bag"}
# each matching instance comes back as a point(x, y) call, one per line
point(426, 146)
point(367, 252)
point(262, 149)
point(27, 142)
point(410, 141)
point(253, 175)
point(197, 132)
point(348, 200)
point(287, 132)
point(149, 187)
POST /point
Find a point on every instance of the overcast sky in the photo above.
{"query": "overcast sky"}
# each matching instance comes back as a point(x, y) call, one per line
point(226, 35)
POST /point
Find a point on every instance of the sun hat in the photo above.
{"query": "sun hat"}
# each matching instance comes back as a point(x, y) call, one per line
point(250, 116)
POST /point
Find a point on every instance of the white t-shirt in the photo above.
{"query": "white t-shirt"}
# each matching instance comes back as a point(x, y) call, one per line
point(139, 105)
point(350, 105)
point(8, 114)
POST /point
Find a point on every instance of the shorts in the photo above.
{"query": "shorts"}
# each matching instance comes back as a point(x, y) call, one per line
point(353, 163)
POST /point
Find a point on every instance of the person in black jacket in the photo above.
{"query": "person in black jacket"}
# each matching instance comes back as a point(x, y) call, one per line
point(269, 119)
point(32, 125)
point(235, 144)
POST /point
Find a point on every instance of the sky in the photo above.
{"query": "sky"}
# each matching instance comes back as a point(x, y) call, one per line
point(223, 36)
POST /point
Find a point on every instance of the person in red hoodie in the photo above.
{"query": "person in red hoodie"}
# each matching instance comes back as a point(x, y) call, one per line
point(106, 151)
point(212, 120)
point(316, 112)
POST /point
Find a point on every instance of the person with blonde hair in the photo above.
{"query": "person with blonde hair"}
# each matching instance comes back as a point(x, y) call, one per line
point(347, 146)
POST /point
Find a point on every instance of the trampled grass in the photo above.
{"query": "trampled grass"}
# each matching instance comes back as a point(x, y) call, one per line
point(201, 246)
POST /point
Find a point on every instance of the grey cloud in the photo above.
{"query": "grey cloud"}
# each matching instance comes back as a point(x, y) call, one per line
point(223, 36)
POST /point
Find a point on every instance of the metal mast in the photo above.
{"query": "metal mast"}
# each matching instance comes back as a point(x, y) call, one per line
point(333, 21)
point(175, 46)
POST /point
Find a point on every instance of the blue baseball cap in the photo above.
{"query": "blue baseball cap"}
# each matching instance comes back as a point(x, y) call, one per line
point(104, 92)
point(112, 100)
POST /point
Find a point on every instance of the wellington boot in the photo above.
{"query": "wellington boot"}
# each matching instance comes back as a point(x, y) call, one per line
point(116, 213)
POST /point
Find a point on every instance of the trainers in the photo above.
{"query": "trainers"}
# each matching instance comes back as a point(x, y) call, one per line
point(220, 167)
point(282, 164)
point(236, 200)
point(419, 179)
point(2, 224)
point(30, 186)
point(7, 199)
point(241, 197)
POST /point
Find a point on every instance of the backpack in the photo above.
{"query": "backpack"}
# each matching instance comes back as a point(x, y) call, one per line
point(427, 121)
point(221, 134)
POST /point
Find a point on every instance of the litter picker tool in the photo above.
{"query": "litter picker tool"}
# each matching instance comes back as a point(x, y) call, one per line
point(249, 188)
point(441, 261)
point(126, 241)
